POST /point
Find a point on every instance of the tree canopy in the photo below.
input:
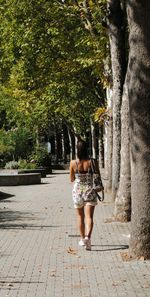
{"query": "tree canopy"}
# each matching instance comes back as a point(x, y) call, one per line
point(52, 61)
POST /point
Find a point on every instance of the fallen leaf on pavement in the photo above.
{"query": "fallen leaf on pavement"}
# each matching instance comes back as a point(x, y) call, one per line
point(52, 274)
point(71, 251)
point(115, 284)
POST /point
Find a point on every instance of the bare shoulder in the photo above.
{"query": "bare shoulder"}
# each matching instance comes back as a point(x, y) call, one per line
point(72, 164)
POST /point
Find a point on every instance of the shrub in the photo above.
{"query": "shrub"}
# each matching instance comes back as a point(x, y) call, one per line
point(16, 143)
point(12, 165)
point(24, 164)
point(42, 157)
point(6, 146)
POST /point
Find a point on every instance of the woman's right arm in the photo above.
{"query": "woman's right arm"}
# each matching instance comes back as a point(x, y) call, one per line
point(72, 174)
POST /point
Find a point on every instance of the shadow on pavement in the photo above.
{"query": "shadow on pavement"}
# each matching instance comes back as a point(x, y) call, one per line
point(62, 173)
point(15, 220)
point(110, 248)
point(5, 195)
point(26, 227)
point(73, 235)
point(7, 218)
point(19, 282)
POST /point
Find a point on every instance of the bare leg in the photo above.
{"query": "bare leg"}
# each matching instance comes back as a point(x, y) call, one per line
point(89, 212)
point(80, 219)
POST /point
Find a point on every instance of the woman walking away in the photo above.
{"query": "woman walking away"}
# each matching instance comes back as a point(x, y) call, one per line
point(84, 197)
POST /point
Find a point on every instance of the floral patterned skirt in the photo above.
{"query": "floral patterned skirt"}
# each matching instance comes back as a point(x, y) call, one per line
point(83, 194)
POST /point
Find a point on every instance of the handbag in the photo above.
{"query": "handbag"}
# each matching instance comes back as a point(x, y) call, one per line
point(97, 186)
point(100, 198)
point(97, 181)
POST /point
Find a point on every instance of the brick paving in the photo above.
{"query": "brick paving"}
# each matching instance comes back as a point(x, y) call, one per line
point(39, 253)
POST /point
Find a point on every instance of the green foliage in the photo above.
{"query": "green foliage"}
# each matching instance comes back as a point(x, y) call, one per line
point(24, 164)
point(24, 142)
point(51, 63)
point(21, 164)
point(16, 143)
point(103, 116)
point(6, 143)
point(42, 158)
point(12, 165)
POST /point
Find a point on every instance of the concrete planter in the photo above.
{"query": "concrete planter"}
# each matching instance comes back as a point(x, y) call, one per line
point(42, 171)
point(20, 179)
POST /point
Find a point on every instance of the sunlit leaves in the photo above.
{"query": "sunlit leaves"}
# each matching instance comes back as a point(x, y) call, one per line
point(52, 67)
point(103, 116)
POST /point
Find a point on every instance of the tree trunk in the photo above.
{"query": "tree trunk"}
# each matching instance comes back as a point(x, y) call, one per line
point(56, 145)
point(108, 145)
point(37, 137)
point(63, 146)
point(122, 211)
point(76, 140)
point(71, 145)
point(117, 49)
point(139, 98)
point(93, 136)
point(101, 148)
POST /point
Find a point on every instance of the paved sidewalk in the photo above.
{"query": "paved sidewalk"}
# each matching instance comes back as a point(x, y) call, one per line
point(39, 253)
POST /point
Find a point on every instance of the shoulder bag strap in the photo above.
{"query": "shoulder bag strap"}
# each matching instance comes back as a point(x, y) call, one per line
point(92, 166)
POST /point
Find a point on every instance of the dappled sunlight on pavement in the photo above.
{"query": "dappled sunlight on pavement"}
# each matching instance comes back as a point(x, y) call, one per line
point(39, 252)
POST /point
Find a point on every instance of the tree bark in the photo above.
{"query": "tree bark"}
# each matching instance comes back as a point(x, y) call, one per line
point(117, 49)
point(108, 145)
point(71, 145)
point(101, 148)
point(63, 146)
point(122, 211)
point(37, 137)
point(139, 98)
point(93, 136)
point(76, 141)
point(56, 145)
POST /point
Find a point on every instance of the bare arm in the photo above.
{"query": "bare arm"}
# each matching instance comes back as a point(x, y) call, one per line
point(72, 174)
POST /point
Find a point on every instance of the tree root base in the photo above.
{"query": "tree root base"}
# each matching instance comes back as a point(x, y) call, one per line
point(126, 257)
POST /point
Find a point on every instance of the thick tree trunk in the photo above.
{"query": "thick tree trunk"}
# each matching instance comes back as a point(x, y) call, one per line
point(108, 145)
point(93, 136)
point(122, 211)
point(117, 49)
point(139, 98)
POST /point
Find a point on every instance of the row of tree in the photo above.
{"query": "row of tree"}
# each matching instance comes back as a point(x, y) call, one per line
point(68, 63)
point(130, 58)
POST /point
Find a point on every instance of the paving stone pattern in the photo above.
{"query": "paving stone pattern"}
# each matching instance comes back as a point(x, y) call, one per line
point(39, 253)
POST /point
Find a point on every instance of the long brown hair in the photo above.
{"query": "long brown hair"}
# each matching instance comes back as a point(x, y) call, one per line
point(82, 152)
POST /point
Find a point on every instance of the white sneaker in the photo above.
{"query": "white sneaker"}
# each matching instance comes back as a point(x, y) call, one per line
point(87, 242)
point(81, 242)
